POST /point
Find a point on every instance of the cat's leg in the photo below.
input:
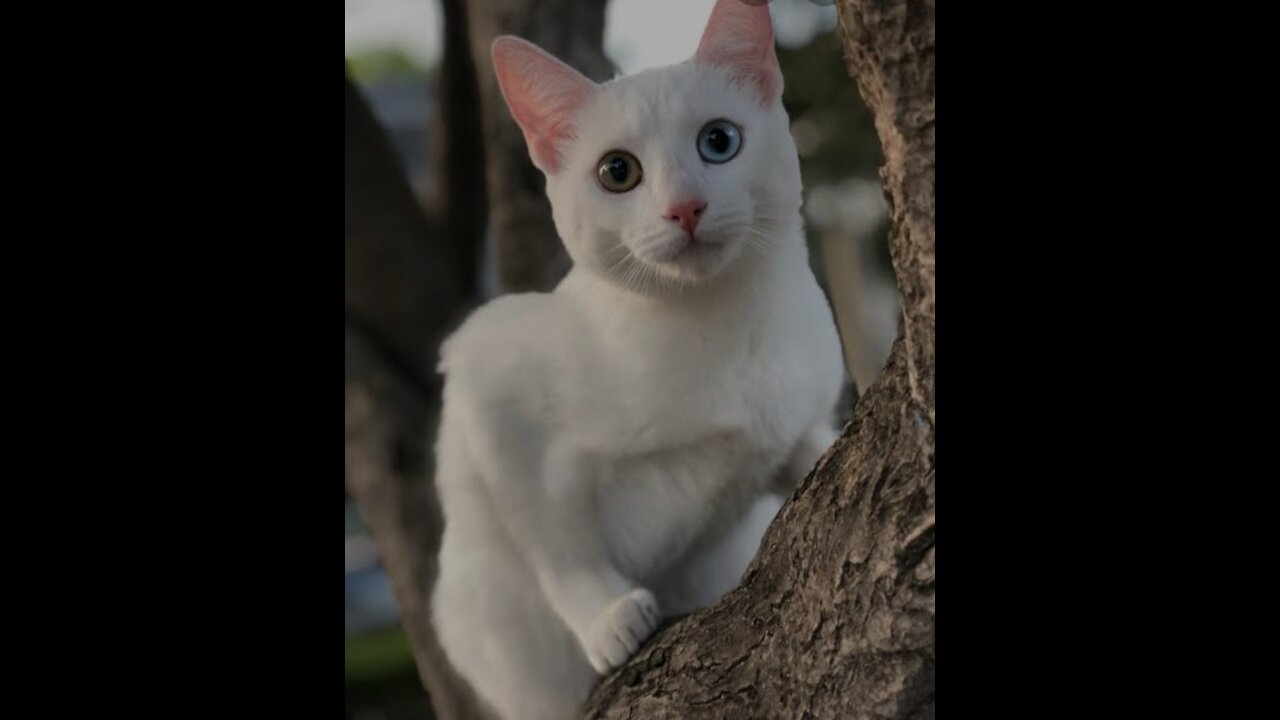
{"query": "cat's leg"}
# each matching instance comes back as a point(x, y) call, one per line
point(509, 644)
point(811, 447)
point(543, 491)
point(493, 624)
point(716, 567)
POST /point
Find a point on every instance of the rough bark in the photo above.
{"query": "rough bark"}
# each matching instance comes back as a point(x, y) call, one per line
point(527, 251)
point(403, 292)
point(835, 617)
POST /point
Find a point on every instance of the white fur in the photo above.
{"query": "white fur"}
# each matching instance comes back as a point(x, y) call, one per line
point(607, 450)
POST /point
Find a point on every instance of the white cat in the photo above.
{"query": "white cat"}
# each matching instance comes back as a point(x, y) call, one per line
point(609, 452)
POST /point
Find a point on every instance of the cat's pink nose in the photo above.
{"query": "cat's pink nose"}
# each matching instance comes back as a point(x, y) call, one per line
point(686, 213)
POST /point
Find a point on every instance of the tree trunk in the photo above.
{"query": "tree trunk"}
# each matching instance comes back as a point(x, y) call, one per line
point(527, 251)
point(835, 617)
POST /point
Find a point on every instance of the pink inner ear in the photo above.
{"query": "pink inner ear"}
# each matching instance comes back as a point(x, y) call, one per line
point(739, 37)
point(543, 94)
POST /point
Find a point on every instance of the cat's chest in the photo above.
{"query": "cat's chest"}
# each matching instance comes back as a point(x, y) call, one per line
point(654, 505)
point(760, 363)
point(688, 382)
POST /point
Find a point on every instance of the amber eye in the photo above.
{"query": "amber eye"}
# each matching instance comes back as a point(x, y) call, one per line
point(619, 171)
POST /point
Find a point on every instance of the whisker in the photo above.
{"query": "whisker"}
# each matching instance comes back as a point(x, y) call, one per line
point(613, 270)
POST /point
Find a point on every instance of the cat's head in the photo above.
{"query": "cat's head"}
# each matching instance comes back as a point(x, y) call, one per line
point(673, 173)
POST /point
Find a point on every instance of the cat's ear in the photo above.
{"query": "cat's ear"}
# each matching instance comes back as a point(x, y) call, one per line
point(739, 37)
point(543, 94)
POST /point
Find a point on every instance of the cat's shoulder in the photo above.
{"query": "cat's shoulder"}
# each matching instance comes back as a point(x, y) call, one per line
point(509, 334)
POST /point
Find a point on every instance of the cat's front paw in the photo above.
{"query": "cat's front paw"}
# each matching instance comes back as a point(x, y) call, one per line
point(618, 631)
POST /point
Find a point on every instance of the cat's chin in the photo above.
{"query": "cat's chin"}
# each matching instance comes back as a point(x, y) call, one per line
point(690, 260)
point(698, 265)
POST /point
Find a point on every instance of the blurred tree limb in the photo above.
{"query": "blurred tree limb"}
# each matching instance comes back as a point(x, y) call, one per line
point(412, 274)
point(835, 617)
point(404, 290)
point(462, 198)
point(527, 250)
point(410, 277)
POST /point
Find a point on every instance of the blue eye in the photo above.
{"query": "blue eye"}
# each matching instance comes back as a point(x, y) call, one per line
point(719, 141)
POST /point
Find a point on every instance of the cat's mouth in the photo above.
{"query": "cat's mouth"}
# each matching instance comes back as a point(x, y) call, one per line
point(686, 249)
point(682, 257)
